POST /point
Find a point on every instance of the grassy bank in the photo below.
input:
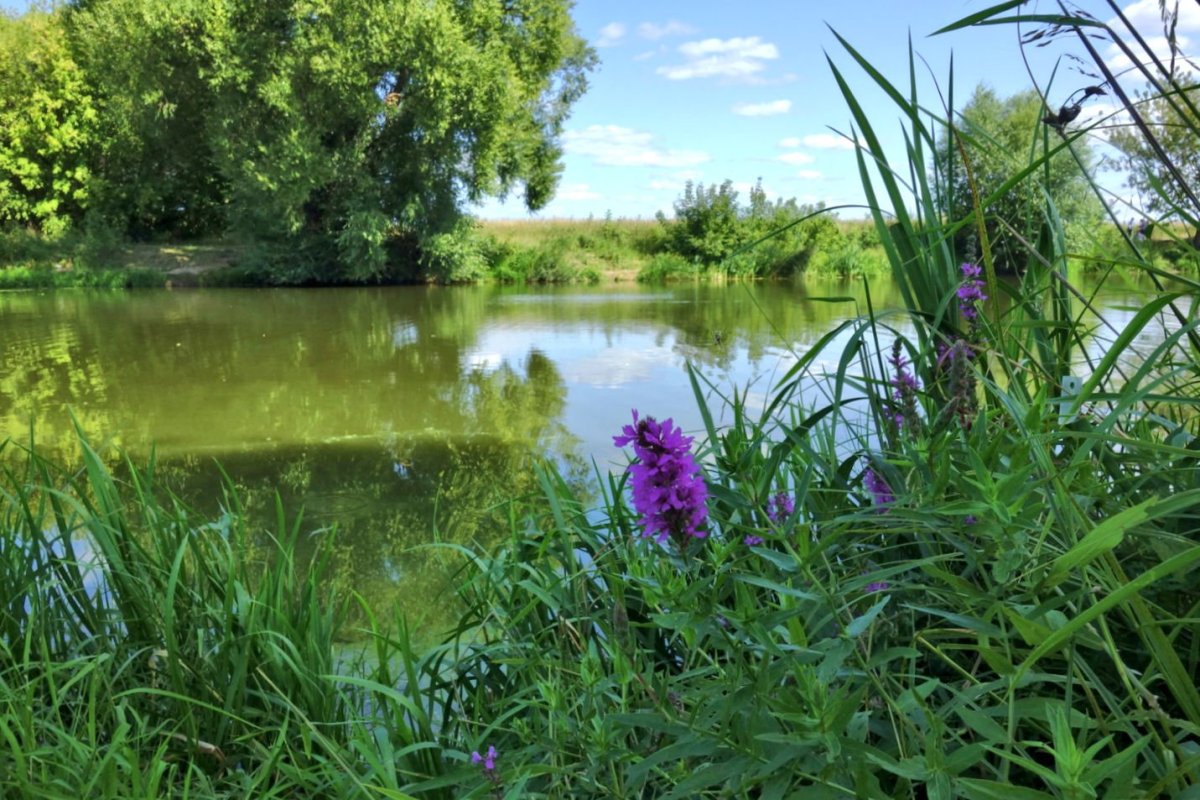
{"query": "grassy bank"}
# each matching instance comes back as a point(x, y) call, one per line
point(529, 251)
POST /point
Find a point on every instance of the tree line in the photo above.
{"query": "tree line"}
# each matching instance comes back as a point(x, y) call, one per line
point(354, 131)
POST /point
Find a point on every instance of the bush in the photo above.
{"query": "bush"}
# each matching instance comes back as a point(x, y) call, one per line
point(458, 256)
point(761, 239)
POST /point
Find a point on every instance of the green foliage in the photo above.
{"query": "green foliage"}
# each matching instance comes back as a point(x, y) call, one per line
point(48, 125)
point(706, 226)
point(761, 239)
point(459, 256)
point(547, 262)
point(1166, 186)
point(668, 267)
point(995, 140)
point(356, 130)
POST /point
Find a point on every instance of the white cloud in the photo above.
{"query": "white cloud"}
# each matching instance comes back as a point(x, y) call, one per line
point(771, 109)
point(809, 174)
point(828, 141)
point(576, 191)
point(1144, 15)
point(650, 30)
point(1118, 62)
point(644, 56)
point(738, 58)
point(610, 34)
point(796, 157)
point(615, 146)
point(790, 143)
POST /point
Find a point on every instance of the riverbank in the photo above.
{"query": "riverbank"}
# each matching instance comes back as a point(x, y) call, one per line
point(562, 251)
point(503, 251)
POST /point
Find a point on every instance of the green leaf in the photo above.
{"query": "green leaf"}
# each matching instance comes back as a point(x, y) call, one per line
point(976, 789)
point(1099, 540)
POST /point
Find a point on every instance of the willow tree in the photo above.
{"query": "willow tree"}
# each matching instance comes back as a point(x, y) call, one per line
point(354, 123)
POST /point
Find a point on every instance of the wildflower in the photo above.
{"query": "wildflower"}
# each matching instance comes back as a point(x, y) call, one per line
point(969, 519)
point(877, 586)
point(488, 760)
point(904, 393)
point(956, 360)
point(881, 493)
point(668, 489)
point(971, 293)
point(752, 541)
point(780, 507)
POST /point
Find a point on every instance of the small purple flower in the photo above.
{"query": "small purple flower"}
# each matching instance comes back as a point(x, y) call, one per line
point(488, 760)
point(881, 493)
point(904, 394)
point(780, 507)
point(970, 294)
point(752, 540)
point(969, 519)
point(956, 360)
point(877, 586)
point(668, 490)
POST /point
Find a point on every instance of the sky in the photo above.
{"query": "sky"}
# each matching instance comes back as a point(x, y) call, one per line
point(709, 90)
point(740, 90)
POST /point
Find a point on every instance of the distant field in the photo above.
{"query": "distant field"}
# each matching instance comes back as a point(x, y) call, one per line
point(529, 232)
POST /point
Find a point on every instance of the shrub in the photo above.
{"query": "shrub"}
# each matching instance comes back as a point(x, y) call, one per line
point(458, 256)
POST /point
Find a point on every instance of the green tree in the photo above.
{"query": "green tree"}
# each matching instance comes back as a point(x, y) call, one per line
point(1001, 138)
point(47, 125)
point(359, 125)
point(1168, 186)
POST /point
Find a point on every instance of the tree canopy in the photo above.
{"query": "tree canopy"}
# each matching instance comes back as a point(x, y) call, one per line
point(47, 124)
point(361, 127)
point(1166, 178)
point(1001, 138)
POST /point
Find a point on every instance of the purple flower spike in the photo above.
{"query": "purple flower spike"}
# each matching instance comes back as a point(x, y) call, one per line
point(488, 760)
point(904, 391)
point(752, 541)
point(780, 507)
point(668, 489)
point(881, 493)
point(877, 586)
point(970, 294)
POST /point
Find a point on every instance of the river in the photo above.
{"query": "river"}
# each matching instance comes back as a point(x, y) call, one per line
point(402, 415)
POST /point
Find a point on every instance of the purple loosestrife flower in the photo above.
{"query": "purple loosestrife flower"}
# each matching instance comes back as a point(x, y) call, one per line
point(877, 586)
point(668, 489)
point(780, 507)
point(488, 760)
point(752, 541)
point(970, 294)
point(956, 361)
point(881, 493)
point(904, 391)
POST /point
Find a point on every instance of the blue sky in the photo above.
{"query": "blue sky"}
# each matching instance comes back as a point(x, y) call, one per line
point(708, 90)
point(711, 90)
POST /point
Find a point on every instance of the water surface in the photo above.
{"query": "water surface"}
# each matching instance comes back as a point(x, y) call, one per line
point(402, 415)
